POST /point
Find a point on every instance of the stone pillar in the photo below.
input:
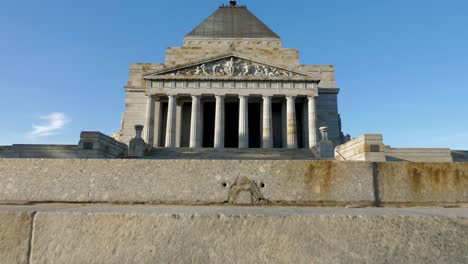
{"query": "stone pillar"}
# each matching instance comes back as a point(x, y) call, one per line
point(179, 124)
point(171, 122)
point(157, 123)
point(267, 134)
point(195, 122)
point(291, 120)
point(243, 121)
point(219, 122)
point(149, 121)
point(311, 105)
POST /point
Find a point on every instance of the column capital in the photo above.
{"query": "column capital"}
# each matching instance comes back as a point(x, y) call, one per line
point(219, 95)
point(267, 96)
point(291, 97)
point(196, 95)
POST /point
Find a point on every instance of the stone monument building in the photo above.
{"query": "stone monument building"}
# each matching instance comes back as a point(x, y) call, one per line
point(232, 91)
point(231, 85)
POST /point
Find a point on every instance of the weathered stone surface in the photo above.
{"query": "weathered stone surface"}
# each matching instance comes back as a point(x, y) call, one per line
point(210, 181)
point(182, 181)
point(15, 229)
point(423, 182)
point(165, 234)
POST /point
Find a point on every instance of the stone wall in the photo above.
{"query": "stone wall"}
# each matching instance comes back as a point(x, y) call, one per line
point(135, 112)
point(327, 73)
point(418, 154)
point(92, 145)
point(370, 147)
point(231, 181)
point(103, 211)
point(327, 114)
point(207, 234)
point(422, 182)
point(264, 50)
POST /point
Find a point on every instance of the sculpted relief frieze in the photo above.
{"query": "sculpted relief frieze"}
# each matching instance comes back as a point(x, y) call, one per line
point(233, 67)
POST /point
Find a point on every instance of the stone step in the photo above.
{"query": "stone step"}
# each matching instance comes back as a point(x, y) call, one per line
point(233, 154)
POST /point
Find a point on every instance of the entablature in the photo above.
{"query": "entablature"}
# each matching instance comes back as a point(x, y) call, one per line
point(221, 87)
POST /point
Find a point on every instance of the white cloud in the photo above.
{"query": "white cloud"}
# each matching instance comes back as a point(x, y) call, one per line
point(54, 123)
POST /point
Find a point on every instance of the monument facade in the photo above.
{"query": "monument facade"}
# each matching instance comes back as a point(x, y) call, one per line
point(232, 91)
point(231, 85)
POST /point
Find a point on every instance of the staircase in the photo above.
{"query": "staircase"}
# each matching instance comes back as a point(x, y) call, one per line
point(233, 154)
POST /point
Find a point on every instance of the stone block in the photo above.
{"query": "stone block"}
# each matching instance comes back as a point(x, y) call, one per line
point(15, 232)
point(105, 145)
point(183, 181)
point(368, 147)
point(170, 234)
point(423, 182)
point(418, 154)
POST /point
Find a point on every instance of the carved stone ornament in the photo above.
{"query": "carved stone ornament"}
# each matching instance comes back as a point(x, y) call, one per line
point(233, 67)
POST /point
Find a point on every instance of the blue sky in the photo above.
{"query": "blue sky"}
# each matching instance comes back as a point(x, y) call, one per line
point(402, 66)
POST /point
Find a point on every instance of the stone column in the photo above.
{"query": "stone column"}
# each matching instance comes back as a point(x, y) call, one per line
point(267, 134)
point(243, 121)
point(312, 121)
point(179, 124)
point(291, 120)
point(171, 122)
point(219, 122)
point(195, 122)
point(149, 121)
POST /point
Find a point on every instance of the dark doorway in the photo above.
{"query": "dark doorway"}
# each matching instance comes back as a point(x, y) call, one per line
point(277, 125)
point(162, 134)
point(231, 129)
point(185, 129)
point(299, 126)
point(255, 124)
point(208, 124)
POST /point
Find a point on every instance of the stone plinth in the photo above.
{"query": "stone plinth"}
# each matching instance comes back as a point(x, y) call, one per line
point(213, 234)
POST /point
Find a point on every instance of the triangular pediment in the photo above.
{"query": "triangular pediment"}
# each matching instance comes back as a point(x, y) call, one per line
point(230, 66)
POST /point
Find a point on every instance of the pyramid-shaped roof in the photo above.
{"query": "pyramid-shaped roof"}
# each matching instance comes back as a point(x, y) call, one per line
point(232, 22)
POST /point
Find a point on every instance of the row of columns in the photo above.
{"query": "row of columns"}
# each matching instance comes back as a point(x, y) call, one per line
point(267, 121)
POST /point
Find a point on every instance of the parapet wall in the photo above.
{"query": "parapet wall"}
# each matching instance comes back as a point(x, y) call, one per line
point(92, 145)
point(191, 182)
point(370, 147)
point(103, 211)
